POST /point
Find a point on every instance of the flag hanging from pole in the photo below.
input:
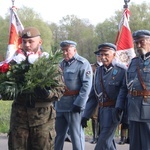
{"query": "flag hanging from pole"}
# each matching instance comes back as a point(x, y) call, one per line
point(124, 42)
point(15, 30)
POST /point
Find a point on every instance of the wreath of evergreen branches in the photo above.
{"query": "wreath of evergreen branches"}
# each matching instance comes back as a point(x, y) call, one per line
point(25, 77)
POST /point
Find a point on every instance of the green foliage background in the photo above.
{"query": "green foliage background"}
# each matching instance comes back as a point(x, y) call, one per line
point(87, 35)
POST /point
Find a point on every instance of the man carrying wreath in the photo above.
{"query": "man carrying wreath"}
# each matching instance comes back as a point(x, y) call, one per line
point(32, 117)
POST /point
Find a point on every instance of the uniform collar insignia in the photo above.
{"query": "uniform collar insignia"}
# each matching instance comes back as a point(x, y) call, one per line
point(107, 69)
point(70, 61)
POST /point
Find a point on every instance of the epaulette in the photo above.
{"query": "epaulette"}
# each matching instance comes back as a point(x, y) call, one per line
point(134, 60)
point(119, 64)
point(122, 66)
point(81, 59)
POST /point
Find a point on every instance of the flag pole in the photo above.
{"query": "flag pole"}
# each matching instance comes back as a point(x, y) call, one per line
point(13, 1)
point(15, 30)
point(126, 3)
point(124, 41)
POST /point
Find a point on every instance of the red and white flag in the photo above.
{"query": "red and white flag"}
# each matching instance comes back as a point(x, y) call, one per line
point(15, 30)
point(124, 42)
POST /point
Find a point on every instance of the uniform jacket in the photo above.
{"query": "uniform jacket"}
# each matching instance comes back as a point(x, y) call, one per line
point(30, 111)
point(77, 76)
point(42, 112)
point(138, 107)
point(113, 81)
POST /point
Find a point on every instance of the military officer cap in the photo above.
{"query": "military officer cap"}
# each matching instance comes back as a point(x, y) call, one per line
point(97, 53)
point(106, 47)
point(140, 34)
point(30, 32)
point(68, 43)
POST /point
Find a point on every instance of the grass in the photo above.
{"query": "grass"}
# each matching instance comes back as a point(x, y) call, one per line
point(5, 109)
point(88, 130)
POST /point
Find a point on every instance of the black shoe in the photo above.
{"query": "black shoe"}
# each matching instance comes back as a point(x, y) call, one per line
point(68, 139)
point(127, 141)
point(93, 141)
point(122, 141)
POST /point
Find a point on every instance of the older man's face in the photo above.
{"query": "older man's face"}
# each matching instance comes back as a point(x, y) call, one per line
point(98, 58)
point(107, 57)
point(68, 52)
point(142, 45)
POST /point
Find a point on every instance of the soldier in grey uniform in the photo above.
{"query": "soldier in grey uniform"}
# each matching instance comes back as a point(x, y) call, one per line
point(32, 119)
point(77, 76)
point(138, 82)
point(108, 85)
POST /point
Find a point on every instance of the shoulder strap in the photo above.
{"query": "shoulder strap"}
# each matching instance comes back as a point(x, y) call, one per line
point(102, 86)
point(140, 78)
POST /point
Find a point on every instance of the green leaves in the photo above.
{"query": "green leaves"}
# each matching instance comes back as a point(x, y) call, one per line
point(43, 72)
point(25, 77)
